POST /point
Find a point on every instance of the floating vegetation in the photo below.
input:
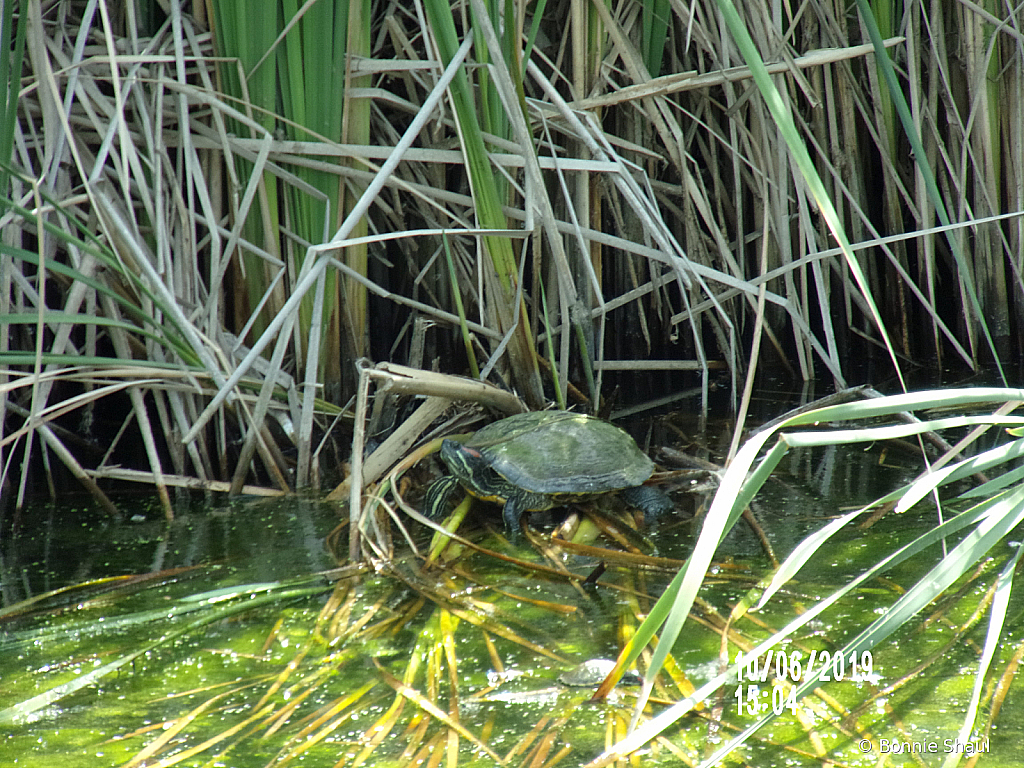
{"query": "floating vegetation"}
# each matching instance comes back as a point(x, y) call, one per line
point(464, 662)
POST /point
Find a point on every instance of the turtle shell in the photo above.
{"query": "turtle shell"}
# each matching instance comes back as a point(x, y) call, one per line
point(592, 673)
point(557, 452)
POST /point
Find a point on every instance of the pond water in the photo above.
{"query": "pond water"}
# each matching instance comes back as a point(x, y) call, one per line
point(231, 637)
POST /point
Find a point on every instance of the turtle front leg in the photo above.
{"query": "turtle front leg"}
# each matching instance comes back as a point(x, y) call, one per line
point(513, 515)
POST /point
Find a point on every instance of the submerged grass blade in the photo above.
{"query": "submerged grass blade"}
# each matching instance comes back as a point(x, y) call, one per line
point(993, 642)
point(1004, 515)
point(740, 484)
point(645, 732)
point(245, 601)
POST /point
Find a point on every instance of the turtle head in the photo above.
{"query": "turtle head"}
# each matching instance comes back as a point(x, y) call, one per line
point(474, 472)
point(463, 462)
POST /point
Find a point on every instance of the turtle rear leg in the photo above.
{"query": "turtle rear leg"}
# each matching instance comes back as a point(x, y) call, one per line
point(653, 502)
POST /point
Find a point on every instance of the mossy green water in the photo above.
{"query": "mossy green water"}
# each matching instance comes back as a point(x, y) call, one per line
point(268, 663)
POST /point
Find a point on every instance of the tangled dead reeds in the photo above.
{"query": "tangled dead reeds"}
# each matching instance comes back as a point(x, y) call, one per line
point(222, 209)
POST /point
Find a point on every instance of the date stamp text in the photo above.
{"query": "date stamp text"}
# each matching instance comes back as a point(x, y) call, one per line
point(760, 679)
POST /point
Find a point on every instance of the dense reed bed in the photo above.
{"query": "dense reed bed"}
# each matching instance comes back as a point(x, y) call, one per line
point(211, 214)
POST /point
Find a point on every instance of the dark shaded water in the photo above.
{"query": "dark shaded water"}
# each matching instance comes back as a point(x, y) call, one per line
point(59, 544)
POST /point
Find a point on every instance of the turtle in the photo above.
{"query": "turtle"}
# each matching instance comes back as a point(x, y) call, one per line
point(591, 673)
point(543, 459)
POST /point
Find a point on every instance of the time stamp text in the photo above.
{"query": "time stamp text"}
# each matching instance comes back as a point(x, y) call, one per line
point(759, 691)
point(757, 695)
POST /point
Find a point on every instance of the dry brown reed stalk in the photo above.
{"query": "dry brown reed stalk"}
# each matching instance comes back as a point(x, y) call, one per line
point(642, 202)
